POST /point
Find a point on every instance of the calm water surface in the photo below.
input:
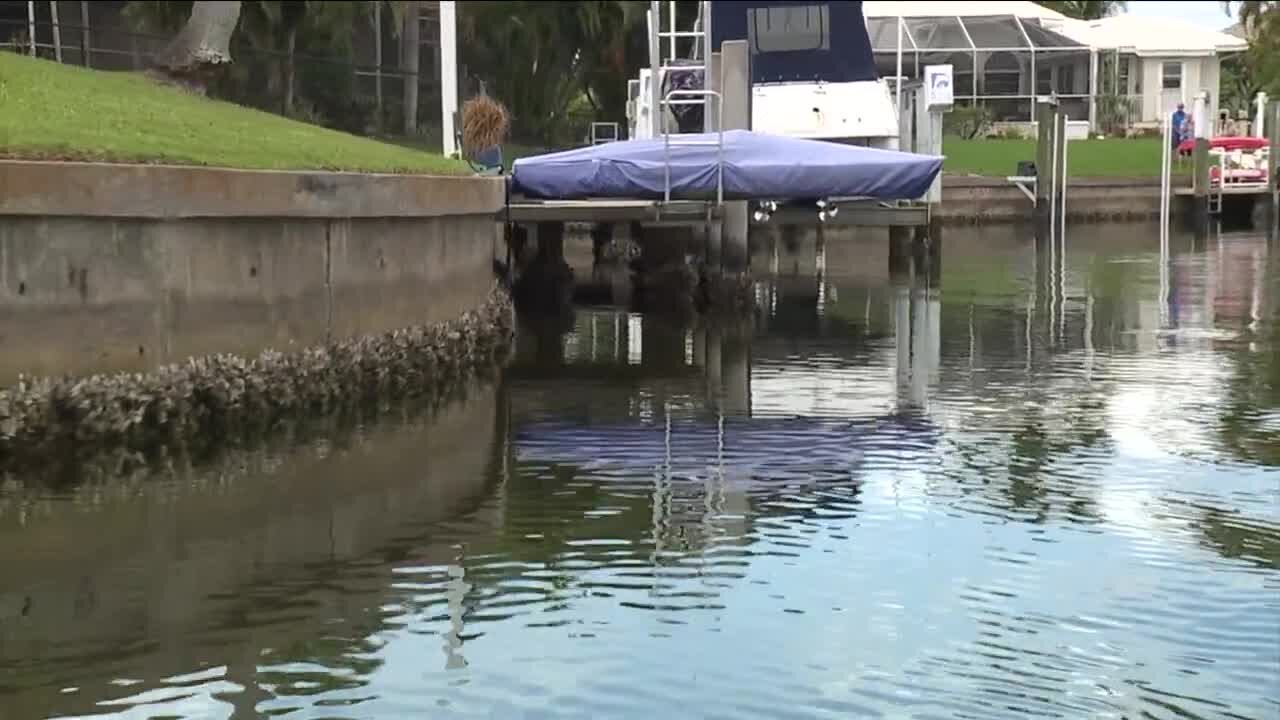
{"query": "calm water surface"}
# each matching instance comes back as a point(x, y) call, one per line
point(1043, 484)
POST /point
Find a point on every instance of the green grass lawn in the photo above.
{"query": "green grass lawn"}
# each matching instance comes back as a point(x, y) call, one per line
point(52, 111)
point(1116, 157)
point(1136, 158)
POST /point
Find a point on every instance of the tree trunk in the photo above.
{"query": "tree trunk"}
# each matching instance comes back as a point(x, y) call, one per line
point(204, 42)
point(409, 51)
point(291, 44)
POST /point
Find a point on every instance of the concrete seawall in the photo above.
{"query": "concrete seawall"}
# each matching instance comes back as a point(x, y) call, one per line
point(116, 267)
point(969, 199)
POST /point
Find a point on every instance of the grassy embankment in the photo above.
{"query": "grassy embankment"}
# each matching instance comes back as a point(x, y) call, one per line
point(1115, 157)
point(60, 112)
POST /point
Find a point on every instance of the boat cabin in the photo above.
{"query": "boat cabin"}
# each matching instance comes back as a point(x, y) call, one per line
point(813, 73)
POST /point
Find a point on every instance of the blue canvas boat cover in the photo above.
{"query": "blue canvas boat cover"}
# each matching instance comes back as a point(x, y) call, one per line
point(756, 166)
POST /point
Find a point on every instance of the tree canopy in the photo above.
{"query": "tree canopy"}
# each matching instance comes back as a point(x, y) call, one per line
point(1085, 9)
point(1257, 69)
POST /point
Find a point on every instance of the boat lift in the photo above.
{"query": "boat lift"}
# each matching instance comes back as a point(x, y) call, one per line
point(691, 101)
point(1223, 166)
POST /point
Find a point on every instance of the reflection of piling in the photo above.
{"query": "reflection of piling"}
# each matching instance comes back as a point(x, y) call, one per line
point(927, 251)
point(714, 345)
point(601, 237)
point(725, 359)
point(735, 373)
point(917, 342)
point(545, 282)
point(900, 242)
point(916, 253)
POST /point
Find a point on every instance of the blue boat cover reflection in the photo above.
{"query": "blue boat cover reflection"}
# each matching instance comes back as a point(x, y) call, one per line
point(771, 449)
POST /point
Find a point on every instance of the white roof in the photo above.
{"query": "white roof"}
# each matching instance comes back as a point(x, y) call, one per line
point(934, 8)
point(1148, 36)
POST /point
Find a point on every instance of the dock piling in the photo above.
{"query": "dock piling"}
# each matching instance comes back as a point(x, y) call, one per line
point(1046, 124)
point(735, 85)
point(1200, 180)
point(1273, 174)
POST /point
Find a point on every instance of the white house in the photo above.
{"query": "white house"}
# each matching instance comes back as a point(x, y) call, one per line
point(1161, 61)
point(1121, 69)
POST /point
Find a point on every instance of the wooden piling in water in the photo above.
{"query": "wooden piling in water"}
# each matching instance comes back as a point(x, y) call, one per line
point(735, 86)
point(1200, 183)
point(1046, 123)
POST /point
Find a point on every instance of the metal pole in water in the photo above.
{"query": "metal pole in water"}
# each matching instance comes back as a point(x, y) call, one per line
point(1063, 213)
point(1053, 173)
point(1166, 171)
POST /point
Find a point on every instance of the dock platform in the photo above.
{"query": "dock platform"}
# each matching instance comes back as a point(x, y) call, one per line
point(1251, 189)
point(854, 213)
point(609, 210)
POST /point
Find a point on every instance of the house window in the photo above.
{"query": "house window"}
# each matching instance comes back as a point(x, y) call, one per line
point(1044, 81)
point(1171, 75)
point(1122, 73)
point(789, 28)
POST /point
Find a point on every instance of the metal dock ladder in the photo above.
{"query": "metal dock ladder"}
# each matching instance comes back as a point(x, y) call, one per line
point(663, 65)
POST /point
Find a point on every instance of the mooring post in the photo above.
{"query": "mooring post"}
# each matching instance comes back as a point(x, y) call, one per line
point(1200, 182)
point(1273, 172)
point(711, 112)
point(735, 87)
point(1046, 123)
point(711, 123)
point(1200, 162)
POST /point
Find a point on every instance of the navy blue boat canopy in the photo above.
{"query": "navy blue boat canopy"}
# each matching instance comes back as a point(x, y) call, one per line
point(798, 40)
point(756, 166)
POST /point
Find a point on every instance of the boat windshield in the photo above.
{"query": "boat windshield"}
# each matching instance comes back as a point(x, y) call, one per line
point(798, 41)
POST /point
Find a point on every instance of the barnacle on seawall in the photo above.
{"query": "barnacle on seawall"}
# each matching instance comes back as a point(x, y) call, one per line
point(202, 398)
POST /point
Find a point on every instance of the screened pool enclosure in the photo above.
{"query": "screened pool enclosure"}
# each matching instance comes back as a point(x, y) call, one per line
point(1002, 62)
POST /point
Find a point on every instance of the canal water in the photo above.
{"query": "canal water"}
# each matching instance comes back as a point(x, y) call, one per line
point(1042, 482)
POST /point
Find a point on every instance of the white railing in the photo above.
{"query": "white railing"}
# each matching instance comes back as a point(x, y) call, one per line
point(694, 97)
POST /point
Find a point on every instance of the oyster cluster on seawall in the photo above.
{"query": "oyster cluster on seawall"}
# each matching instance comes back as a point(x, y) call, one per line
point(204, 398)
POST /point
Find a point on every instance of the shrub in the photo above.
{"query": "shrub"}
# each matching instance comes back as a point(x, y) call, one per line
point(967, 121)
